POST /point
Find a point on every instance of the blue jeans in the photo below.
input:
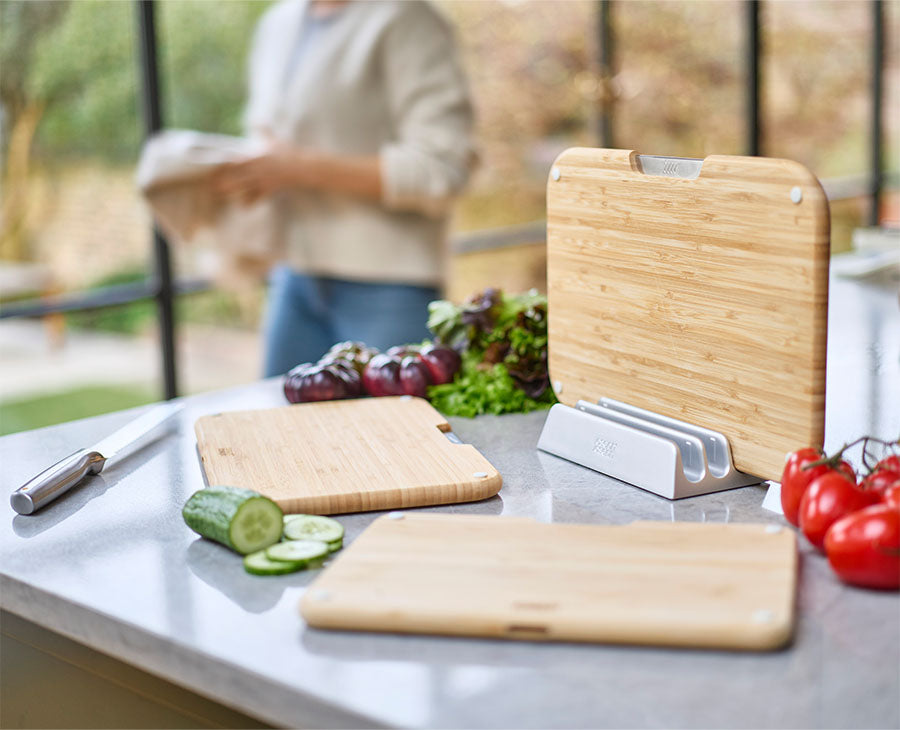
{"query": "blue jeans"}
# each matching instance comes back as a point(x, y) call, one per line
point(307, 314)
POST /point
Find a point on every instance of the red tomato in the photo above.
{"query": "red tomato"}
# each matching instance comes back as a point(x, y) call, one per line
point(864, 547)
point(878, 481)
point(828, 498)
point(795, 479)
point(890, 463)
point(891, 495)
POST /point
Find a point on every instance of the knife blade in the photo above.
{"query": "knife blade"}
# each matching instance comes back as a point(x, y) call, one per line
point(66, 473)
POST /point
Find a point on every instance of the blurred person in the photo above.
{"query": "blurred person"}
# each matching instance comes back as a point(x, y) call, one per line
point(366, 116)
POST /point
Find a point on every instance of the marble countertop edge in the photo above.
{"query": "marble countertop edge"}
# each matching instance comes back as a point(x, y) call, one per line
point(231, 685)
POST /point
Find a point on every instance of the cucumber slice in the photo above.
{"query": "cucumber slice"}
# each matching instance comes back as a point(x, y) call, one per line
point(335, 545)
point(258, 564)
point(240, 519)
point(293, 551)
point(313, 527)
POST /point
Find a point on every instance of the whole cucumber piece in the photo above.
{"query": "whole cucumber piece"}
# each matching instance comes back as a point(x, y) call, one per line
point(240, 519)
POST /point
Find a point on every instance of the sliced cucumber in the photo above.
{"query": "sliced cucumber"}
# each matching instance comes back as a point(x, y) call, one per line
point(335, 545)
point(259, 564)
point(312, 527)
point(303, 551)
point(241, 519)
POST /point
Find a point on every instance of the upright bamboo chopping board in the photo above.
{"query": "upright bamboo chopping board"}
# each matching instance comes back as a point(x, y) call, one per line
point(677, 584)
point(701, 299)
point(344, 456)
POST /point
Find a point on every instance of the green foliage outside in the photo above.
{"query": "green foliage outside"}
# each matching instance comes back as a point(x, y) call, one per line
point(84, 69)
point(46, 410)
point(203, 52)
point(208, 307)
point(129, 319)
point(217, 307)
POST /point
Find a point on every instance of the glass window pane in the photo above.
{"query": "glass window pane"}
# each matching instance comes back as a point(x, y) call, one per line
point(817, 98)
point(529, 69)
point(679, 80)
point(890, 117)
point(534, 87)
point(817, 84)
point(72, 220)
point(203, 50)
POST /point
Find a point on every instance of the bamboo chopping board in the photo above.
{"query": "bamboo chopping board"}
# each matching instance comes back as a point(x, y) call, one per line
point(344, 456)
point(676, 584)
point(701, 299)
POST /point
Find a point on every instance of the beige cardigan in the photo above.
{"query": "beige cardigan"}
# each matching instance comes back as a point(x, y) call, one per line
point(383, 78)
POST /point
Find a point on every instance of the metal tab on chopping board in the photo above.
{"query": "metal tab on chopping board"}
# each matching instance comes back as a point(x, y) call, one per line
point(452, 437)
point(663, 455)
point(684, 167)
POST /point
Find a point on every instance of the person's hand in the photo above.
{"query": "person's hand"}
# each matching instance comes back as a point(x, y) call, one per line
point(285, 166)
point(278, 168)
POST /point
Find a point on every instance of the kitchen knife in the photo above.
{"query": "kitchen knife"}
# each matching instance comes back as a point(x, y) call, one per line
point(65, 474)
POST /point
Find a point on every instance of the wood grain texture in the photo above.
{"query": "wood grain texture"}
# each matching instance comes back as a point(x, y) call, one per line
point(704, 300)
point(678, 584)
point(344, 456)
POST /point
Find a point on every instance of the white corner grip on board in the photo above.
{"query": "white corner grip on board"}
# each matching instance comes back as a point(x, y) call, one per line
point(772, 502)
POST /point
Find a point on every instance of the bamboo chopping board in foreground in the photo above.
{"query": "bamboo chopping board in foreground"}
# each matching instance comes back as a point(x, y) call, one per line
point(344, 456)
point(660, 583)
point(703, 299)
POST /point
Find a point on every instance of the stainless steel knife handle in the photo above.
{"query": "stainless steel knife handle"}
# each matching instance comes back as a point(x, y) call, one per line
point(55, 480)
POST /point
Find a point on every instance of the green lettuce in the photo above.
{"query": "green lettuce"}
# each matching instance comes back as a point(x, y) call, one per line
point(503, 343)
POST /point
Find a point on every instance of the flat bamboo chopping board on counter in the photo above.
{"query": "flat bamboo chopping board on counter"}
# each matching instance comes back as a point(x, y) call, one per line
point(344, 456)
point(660, 583)
point(702, 297)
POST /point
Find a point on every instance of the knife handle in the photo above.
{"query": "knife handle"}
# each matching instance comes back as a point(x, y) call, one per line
point(55, 480)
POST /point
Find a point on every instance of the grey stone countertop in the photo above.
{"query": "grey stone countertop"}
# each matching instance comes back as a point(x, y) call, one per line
point(112, 565)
